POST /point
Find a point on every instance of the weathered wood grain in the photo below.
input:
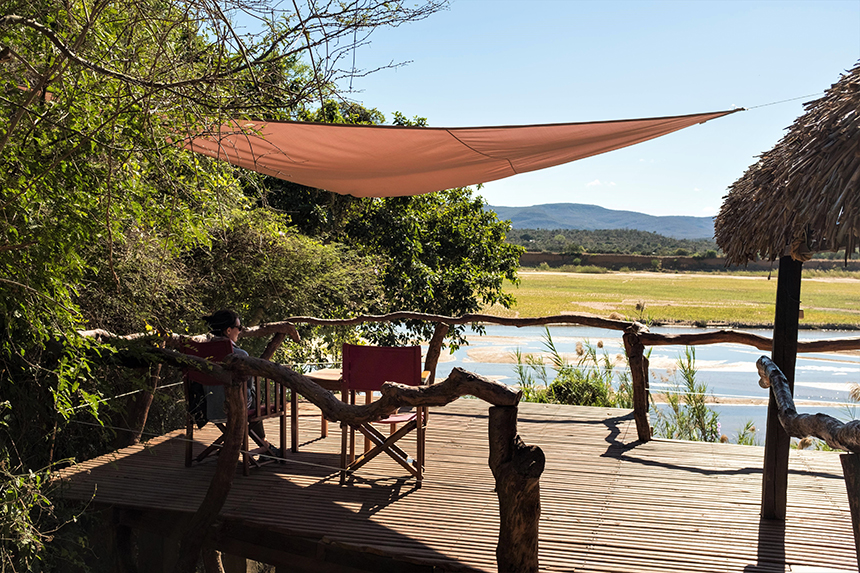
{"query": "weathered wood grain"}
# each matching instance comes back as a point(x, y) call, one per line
point(609, 503)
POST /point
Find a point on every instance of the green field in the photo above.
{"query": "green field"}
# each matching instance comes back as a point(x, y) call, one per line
point(682, 298)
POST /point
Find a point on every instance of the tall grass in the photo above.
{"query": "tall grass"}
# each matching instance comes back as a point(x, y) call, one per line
point(687, 417)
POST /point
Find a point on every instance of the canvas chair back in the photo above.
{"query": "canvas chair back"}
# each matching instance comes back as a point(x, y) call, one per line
point(212, 350)
point(366, 368)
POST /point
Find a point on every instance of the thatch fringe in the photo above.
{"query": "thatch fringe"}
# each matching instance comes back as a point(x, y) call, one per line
point(803, 196)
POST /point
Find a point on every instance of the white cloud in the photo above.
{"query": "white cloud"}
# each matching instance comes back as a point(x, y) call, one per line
point(595, 183)
point(696, 189)
point(612, 183)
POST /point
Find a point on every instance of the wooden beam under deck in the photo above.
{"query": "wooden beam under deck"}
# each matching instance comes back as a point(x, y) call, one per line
point(609, 502)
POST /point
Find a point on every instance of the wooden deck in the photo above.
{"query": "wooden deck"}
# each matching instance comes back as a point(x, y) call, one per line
point(609, 503)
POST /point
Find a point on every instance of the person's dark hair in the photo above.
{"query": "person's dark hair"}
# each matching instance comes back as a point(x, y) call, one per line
point(221, 320)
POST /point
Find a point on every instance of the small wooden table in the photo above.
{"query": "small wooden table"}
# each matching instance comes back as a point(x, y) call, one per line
point(330, 379)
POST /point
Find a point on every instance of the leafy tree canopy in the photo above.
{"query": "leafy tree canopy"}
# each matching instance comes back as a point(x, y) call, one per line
point(106, 221)
point(439, 253)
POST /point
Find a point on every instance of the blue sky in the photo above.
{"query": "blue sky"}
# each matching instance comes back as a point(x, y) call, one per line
point(502, 62)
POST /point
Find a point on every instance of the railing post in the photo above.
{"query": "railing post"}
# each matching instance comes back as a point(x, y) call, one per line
point(784, 354)
point(222, 481)
point(851, 471)
point(639, 379)
point(517, 469)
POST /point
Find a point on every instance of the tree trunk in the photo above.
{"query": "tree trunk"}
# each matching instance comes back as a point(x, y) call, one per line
point(434, 349)
point(193, 540)
point(517, 469)
point(138, 411)
point(851, 471)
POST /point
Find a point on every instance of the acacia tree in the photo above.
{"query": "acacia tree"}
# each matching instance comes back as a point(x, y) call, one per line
point(96, 97)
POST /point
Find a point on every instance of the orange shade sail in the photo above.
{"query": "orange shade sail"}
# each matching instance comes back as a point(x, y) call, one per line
point(389, 161)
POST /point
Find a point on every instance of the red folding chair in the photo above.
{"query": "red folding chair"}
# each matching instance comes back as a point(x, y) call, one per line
point(365, 369)
point(269, 402)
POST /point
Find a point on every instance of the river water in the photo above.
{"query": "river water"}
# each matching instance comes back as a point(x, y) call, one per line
point(822, 380)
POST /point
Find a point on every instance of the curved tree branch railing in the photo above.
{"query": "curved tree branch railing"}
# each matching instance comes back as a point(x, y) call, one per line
point(515, 466)
point(635, 337)
point(836, 434)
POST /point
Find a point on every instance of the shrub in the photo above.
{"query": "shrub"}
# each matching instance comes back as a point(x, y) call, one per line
point(747, 435)
point(589, 382)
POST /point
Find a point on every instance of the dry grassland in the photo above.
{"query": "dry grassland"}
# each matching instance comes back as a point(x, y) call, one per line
point(682, 298)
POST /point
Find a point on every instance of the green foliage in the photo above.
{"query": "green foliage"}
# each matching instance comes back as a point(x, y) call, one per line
point(439, 253)
point(617, 241)
point(688, 417)
point(108, 222)
point(25, 506)
point(747, 435)
point(591, 381)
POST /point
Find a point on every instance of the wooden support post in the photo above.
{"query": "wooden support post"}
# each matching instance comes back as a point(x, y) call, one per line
point(294, 422)
point(851, 471)
point(639, 379)
point(222, 481)
point(234, 563)
point(784, 354)
point(434, 349)
point(212, 559)
point(517, 469)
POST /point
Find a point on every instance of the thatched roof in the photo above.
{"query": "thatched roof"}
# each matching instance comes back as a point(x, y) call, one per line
point(803, 196)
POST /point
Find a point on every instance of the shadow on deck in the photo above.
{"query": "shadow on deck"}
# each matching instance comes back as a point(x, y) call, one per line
point(609, 503)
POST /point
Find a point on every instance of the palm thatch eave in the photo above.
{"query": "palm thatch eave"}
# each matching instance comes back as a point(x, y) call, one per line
point(803, 196)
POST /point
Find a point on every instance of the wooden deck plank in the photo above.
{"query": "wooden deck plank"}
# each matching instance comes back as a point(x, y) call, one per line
point(609, 503)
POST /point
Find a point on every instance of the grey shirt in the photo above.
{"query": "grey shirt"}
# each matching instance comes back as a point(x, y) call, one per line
point(215, 411)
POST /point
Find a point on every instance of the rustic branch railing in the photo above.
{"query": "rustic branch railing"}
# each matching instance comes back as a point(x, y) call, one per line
point(515, 466)
point(838, 435)
point(636, 337)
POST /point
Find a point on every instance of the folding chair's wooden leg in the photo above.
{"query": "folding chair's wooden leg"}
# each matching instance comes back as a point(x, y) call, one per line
point(189, 440)
point(282, 419)
point(294, 421)
point(216, 445)
point(246, 456)
point(368, 398)
point(343, 463)
point(323, 427)
point(419, 433)
point(386, 445)
point(352, 435)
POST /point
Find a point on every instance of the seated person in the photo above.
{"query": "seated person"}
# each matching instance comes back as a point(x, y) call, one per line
point(227, 324)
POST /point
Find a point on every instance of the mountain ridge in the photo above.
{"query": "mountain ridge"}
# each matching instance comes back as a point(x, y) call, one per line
point(592, 217)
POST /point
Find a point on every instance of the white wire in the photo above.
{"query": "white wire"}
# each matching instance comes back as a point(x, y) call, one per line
point(106, 400)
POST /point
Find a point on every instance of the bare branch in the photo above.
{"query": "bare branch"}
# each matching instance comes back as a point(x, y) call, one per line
point(832, 431)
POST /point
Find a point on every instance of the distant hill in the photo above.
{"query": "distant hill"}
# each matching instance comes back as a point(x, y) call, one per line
point(590, 217)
